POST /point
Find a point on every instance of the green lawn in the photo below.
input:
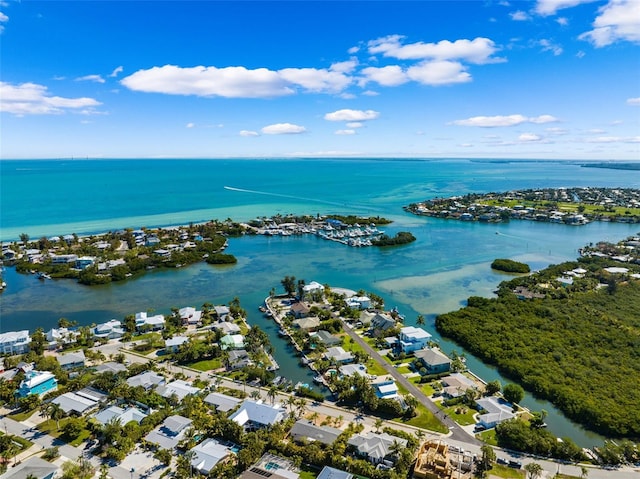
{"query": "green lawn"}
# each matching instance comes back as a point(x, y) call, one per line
point(207, 365)
point(505, 472)
point(425, 420)
point(404, 370)
point(21, 416)
point(463, 415)
point(50, 427)
point(488, 437)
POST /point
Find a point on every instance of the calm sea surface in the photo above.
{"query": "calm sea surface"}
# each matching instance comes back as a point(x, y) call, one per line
point(448, 263)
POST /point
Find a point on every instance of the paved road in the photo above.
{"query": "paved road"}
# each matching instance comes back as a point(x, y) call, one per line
point(457, 432)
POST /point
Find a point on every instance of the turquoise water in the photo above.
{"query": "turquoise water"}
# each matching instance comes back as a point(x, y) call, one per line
point(448, 263)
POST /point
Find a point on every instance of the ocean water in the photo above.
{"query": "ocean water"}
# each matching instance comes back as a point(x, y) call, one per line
point(448, 263)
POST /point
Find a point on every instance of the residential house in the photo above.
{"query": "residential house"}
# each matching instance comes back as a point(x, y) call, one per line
point(359, 302)
point(338, 354)
point(63, 258)
point(386, 390)
point(351, 369)
point(110, 367)
point(60, 336)
point(208, 454)
point(326, 338)
point(84, 262)
point(71, 360)
point(433, 360)
point(382, 322)
point(123, 416)
point(15, 342)
point(190, 316)
point(37, 382)
point(313, 288)
point(376, 447)
point(222, 402)
point(307, 324)
point(496, 410)
point(172, 345)
point(72, 403)
point(146, 323)
point(238, 359)
point(456, 384)
point(177, 388)
point(306, 431)
point(227, 327)
point(412, 339)
point(147, 380)
point(34, 468)
point(333, 473)
point(254, 415)
point(300, 310)
point(222, 312)
point(271, 467)
point(168, 434)
point(111, 330)
point(232, 341)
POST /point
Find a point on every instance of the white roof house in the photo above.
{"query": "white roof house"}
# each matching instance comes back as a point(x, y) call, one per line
point(32, 467)
point(173, 344)
point(313, 286)
point(71, 360)
point(351, 369)
point(207, 454)
point(190, 315)
point(386, 390)
point(111, 329)
point(222, 402)
point(178, 387)
point(74, 403)
point(147, 380)
point(119, 414)
point(497, 411)
point(375, 447)
point(339, 354)
point(413, 339)
point(152, 323)
point(232, 341)
point(168, 434)
point(15, 342)
point(255, 414)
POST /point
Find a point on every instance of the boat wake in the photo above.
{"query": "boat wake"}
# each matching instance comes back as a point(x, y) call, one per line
point(280, 195)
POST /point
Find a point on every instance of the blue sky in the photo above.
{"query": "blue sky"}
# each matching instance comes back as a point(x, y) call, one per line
point(473, 79)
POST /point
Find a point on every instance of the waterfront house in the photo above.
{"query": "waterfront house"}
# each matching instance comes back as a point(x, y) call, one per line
point(496, 410)
point(177, 388)
point(351, 369)
point(15, 342)
point(313, 289)
point(37, 382)
point(71, 360)
point(382, 322)
point(254, 415)
point(63, 258)
point(147, 380)
point(333, 473)
point(34, 468)
point(359, 302)
point(307, 324)
point(227, 327)
point(60, 336)
point(118, 414)
point(84, 262)
point(413, 339)
point(238, 359)
point(168, 434)
point(271, 467)
point(222, 402)
point(222, 312)
point(111, 330)
point(172, 345)
point(190, 316)
point(208, 454)
point(326, 338)
point(433, 360)
point(145, 323)
point(306, 431)
point(456, 384)
point(299, 310)
point(375, 447)
point(232, 341)
point(338, 354)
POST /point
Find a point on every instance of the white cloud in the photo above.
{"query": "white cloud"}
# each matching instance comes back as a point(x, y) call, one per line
point(353, 50)
point(345, 67)
point(619, 20)
point(519, 16)
point(479, 50)
point(614, 139)
point(190, 125)
point(116, 71)
point(580, 54)
point(549, 46)
point(3, 17)
point(370, 93)
point(347, 96)
point(503, 120)
point(352, 115)
point(283, 129)
point(550, 7)
point(633, 101)
point(562, 21)
point(34, 99)
point(556, 131)
point(235, 82)
point(391, 75)
point(93, 78)
point(345, 132)
point(249, 133)
point(529, 137)
point(439, 73)
point(355, 124)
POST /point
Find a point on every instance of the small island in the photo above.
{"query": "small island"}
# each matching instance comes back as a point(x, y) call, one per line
point(510, 266)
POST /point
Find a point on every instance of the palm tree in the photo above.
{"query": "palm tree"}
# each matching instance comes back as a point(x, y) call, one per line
point(534, 470)
point(420, 320)
point(255, 394)
point(56, 413)
point(378, 424)
point(272, 393)
point(314, 416)
point(584, 472)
